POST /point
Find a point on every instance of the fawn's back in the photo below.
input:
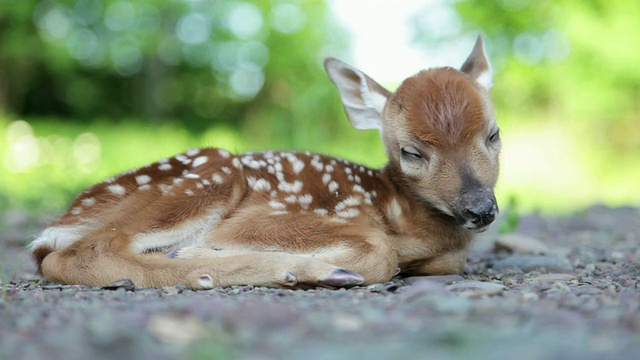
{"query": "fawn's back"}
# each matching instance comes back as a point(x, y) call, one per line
point(207, 217)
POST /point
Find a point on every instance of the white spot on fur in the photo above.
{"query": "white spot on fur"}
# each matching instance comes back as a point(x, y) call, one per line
point(225, 170)
point(333, 186)
point(358, 188)
point(193, 152)
point(217, 178)
point(347, 170)
point(236, 163)
point(116, 189)
point(348, 213)
point(281, 212)
point(163, 161)
point(76, 211)
point(326, 178)
point(164, 188)
point(305, 200)
point(192, 176)
point(165, 167)
point(370, 172)
point(250, 162)
point(357, 178)
point(224, 153)
point(259, 184)
point(143, 179)
point(270, 169)
point(321, 211)
point(178, 181)
point(329, 168)
point(291, 199)
point(200, 160)
point(144, 187)
point(183, 159)
point(350, 201)
point(293, 187)
point(199, 185)
point(350, 177)
point(277, 205)
point(189, 192)
point(316, 163)
point(88, 201)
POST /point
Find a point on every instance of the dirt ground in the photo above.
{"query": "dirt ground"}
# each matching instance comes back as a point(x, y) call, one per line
point(555, 288)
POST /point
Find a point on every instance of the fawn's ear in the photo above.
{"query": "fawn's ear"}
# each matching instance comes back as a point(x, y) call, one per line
point(477, 65)
point(363, 98)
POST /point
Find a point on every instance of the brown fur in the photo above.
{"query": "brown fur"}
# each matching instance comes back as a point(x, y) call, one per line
point(294, 219)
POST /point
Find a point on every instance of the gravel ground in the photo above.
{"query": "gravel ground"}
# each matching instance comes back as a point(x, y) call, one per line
point(555, 288)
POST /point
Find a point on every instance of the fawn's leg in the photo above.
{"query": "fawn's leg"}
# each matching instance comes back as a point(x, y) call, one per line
point(85, 263)
point(358, 247)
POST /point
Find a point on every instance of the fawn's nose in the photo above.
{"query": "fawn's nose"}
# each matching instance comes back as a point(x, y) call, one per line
point(479, 208)
point(482, 214)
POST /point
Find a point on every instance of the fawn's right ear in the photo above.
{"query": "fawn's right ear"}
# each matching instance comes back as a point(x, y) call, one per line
point(363, 98)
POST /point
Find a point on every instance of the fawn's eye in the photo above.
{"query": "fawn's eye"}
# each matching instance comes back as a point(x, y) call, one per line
point(410, 152)
point(495, 136)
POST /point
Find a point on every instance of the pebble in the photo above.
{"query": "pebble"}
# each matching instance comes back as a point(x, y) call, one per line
point(476, 288)
point(521, 244)
point(528, 263)
point(553, 277)
point(441, 279)
point(126, 284)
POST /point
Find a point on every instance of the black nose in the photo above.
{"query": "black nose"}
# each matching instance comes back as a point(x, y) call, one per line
point(482, 213)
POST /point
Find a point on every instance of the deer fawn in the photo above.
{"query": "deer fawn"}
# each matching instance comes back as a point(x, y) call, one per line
point(208, 218)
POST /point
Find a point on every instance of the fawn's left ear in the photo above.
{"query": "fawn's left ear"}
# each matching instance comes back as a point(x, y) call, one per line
point(477, 65)
point(362, 97)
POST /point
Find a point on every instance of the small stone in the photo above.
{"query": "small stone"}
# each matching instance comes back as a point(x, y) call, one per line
point(388, 287)
point(441, 279)
point(528, 263)
point(521, 244)
point(476, 288)
point(126, 284)
point(553, 277)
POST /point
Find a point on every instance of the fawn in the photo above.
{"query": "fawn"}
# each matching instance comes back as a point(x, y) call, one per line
point(208, 218)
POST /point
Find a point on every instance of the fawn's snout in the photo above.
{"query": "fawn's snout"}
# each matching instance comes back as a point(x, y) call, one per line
point(477, 209)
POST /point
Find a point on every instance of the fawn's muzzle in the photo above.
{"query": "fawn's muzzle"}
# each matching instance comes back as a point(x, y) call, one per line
point(477, 209)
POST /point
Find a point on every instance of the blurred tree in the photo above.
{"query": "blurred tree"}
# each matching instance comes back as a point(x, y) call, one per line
point(573, 60)
point(252, 64)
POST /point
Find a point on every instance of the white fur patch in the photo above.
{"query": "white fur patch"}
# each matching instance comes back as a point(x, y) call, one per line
point(88, 201)
point(143, 179)
point(58, 237)
point(394, 210)
point(116, 189)
point(164, 167)
point(293, 187)
point(333, 186)
point(199, 161)
point(224, 153)
point(326, 178)
point(277, 205)
point(321, 211)
point(189, 233)
point(193, 152)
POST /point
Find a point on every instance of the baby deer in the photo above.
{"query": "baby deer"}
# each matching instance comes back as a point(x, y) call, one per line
point(209, 218)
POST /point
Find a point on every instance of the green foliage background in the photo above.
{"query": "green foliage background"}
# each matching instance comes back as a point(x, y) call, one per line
point(89, 88)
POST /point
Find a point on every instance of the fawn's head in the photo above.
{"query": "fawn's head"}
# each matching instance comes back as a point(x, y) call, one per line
point(439, 132)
